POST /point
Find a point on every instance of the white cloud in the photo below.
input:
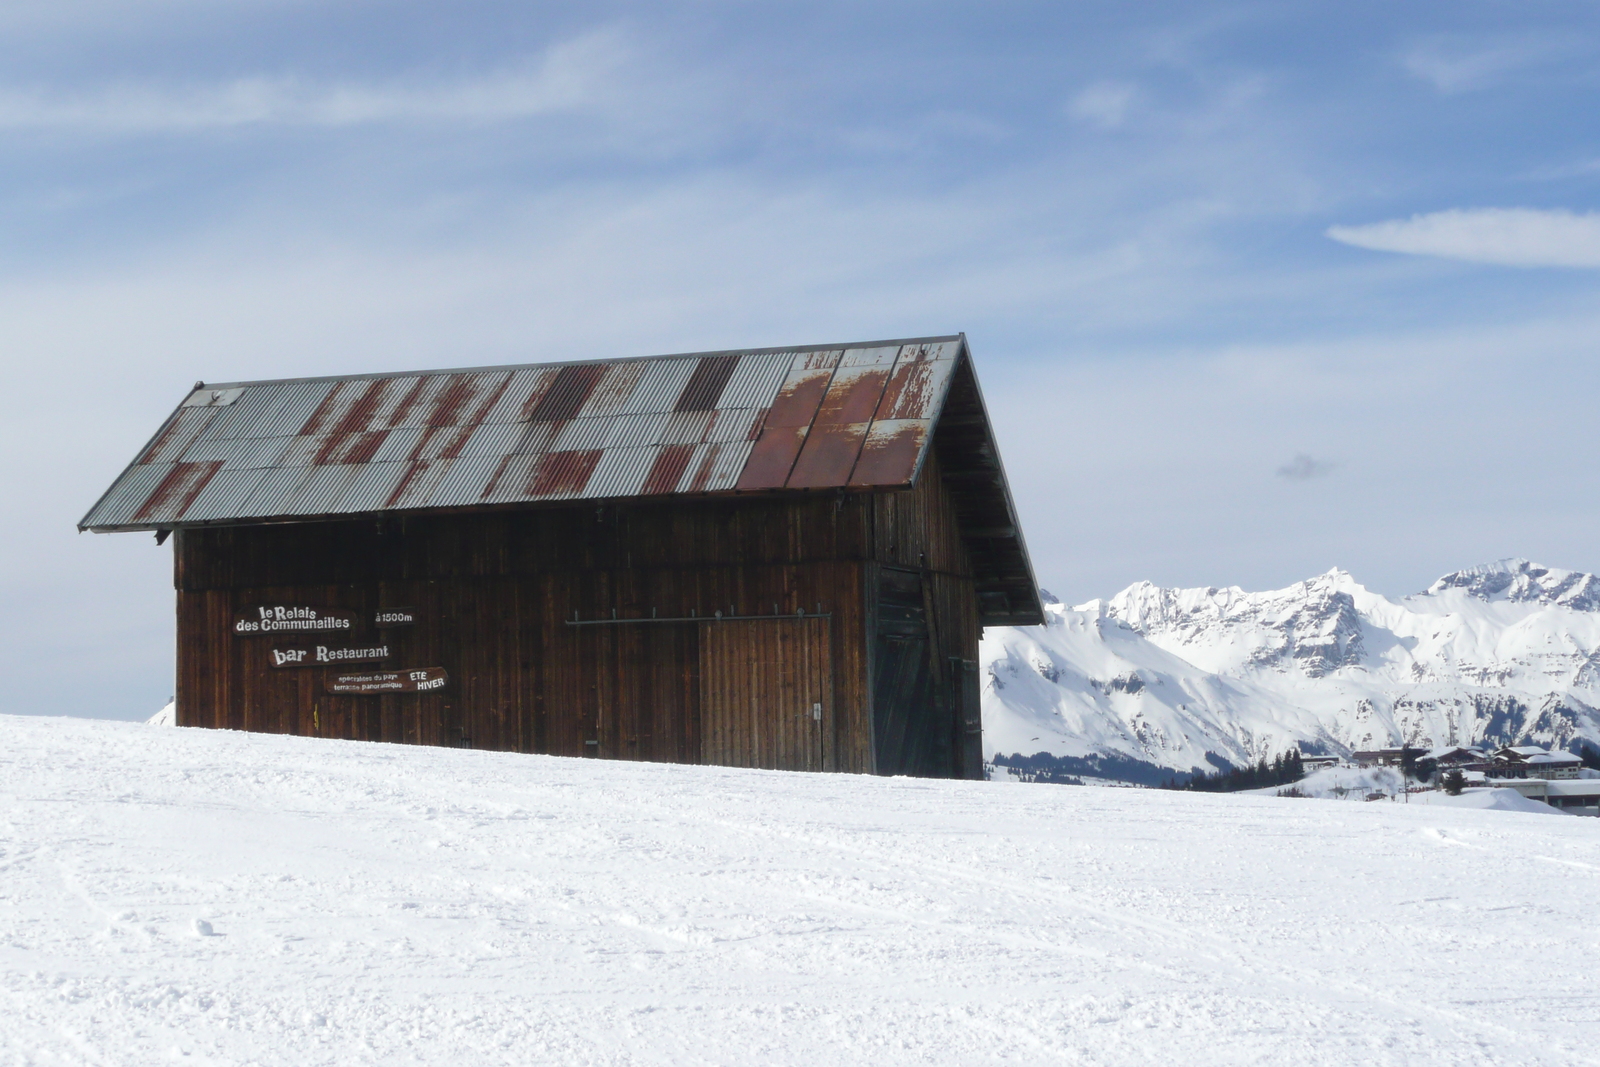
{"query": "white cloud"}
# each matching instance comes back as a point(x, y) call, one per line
point(570, 76)
point(1451, 67)
point(1513, 237)
point(1103, 104)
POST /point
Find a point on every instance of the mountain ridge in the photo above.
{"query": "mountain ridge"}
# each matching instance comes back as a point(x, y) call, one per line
point(1161, 681)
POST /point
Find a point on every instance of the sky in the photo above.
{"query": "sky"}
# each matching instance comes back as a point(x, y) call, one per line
point(1254, 289)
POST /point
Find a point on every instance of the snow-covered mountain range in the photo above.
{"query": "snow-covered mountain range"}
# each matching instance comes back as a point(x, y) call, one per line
point(1159, 680)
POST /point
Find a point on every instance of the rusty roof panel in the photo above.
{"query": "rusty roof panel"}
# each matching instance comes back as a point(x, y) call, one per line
point(500, 435)
point(126, 495)
point(856, 388)
point(890, 452)
point(521, 394)
point(337, 404)
point(562, 475)
point(842, 418)
point(508, 480)
point(417, 483)
point(714, 467)
point(915, 388)
point(755, 382)
point(441, 442)
point(803, 389)
point(413, 399)
point(173, 494)
point(667, 470)
point(377, 408)
point(612, 391)
point(468, 399)
point(916, 351)
point(772, 457)
point(828, 457)
point(178, 434)
point(878, 356)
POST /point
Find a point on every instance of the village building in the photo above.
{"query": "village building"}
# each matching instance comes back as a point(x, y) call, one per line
point(1530, 761)
point(1382, 757)
point(770, 558)
point(1453, 758)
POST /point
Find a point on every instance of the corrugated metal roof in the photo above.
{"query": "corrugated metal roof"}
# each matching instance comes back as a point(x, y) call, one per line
point(802, 418)
point(859, 416)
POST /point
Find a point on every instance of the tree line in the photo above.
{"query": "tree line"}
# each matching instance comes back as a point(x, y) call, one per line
point(1283, 769)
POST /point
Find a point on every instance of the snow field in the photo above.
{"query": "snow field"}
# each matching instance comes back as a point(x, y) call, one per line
point(202, 897)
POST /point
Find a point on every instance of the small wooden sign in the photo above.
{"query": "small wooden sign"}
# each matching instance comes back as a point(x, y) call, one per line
point(323, 656)
point(266, 620)
point(376, 683)
point(388, 618)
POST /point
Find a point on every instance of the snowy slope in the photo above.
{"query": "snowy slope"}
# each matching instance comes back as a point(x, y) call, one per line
point(377, 904)
point(1500, 654)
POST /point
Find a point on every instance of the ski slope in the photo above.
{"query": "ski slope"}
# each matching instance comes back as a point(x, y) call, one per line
point(196, 897)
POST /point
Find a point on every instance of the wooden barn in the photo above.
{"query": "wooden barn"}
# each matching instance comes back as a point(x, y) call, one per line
point(772, 558)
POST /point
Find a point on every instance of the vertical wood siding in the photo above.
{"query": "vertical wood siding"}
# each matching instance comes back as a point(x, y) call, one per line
point(494, 592)
point(767, 694)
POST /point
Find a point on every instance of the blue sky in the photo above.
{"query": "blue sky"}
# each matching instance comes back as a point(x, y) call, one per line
point(1255, 290)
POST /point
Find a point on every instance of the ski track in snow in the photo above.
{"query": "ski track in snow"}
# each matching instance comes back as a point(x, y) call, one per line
point(383, 904)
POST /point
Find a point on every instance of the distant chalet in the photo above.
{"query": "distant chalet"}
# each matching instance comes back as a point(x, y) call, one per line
point(769, 558)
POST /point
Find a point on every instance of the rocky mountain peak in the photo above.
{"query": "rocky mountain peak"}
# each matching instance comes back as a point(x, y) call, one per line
point(1522, 581)
point(1181, 678)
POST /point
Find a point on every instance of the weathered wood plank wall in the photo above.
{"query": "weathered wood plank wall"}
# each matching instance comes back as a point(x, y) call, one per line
point(494, 593)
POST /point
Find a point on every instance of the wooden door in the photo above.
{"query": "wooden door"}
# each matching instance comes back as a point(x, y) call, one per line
point(912, 731)
point(766, 693)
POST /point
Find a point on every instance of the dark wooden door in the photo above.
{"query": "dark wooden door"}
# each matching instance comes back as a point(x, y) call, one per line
point(911, 731)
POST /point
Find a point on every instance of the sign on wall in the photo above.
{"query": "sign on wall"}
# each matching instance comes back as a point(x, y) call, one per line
point(387, 618)
point(288, 619)
point(323, 656)
point(373, 683)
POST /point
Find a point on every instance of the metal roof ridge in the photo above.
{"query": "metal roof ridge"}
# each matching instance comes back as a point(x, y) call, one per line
point(580, 362)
